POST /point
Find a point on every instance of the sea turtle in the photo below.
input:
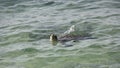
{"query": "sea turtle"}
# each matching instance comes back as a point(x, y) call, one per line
point(68, 36)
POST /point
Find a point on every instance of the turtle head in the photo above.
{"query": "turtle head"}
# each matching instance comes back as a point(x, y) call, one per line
point(53, 39)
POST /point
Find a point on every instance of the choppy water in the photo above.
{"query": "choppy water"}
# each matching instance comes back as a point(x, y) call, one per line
point(25, 26)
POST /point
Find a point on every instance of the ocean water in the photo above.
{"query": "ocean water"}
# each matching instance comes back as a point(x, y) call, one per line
point(25, 27)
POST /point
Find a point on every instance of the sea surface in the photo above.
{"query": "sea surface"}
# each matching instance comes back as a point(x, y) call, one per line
point(25, 27)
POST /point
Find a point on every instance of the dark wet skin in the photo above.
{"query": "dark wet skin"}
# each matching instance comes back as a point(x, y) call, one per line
point(74, 38)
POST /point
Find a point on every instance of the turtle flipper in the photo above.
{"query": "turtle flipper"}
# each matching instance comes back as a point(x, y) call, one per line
point(66, 44)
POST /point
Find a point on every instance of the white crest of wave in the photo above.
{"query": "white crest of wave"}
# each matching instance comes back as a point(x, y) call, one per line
point(71, 29)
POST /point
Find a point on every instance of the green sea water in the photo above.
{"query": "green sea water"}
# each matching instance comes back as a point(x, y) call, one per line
point(25, 27)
